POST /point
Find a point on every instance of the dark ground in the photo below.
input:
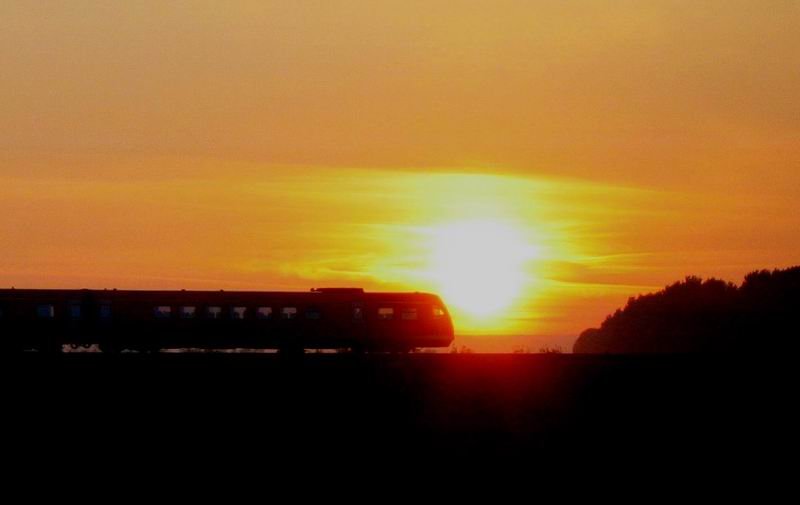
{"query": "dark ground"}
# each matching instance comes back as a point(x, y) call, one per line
point(210, 409)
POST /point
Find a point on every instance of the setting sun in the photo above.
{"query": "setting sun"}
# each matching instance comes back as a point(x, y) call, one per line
point(479, 265)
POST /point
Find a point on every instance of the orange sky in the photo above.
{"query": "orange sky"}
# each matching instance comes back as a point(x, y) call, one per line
point(287, 145)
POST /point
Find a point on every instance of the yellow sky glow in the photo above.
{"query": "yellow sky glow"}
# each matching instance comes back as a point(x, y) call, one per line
point(583, 152)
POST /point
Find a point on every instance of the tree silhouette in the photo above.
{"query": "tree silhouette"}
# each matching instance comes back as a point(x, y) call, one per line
point(696, 315)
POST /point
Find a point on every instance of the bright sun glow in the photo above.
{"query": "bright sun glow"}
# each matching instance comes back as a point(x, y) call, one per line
point(479, 266)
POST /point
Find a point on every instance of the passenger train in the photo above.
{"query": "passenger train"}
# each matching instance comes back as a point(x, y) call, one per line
point(149, 321)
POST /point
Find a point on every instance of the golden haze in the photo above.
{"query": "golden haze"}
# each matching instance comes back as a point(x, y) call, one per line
point(574, 153)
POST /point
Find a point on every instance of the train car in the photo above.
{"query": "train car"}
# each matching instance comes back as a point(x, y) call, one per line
point(326, 318)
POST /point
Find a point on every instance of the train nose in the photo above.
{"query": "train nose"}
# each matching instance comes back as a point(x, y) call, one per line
point(450, 333)
point(444, 327)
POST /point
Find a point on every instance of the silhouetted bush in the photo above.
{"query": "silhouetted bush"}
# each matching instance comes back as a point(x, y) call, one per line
point(550, 350)
point(455, 349)
point(697, 315)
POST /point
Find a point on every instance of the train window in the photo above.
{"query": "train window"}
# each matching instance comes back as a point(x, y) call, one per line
point(438, 312)
point(385, 313)
point(313, 313)
point(358, 312)
point(162, 312)
point(238, 312)
point(45, 312)
point(75, 311)
point(264, 313)
point(409, 314)
point(188, 312)
point(213, 312)
point(105, 311)
point(289, 312)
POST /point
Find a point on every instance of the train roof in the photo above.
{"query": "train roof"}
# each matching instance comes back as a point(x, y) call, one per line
point(326, 293)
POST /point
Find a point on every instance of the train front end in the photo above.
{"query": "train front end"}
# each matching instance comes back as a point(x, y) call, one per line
point(439, 331)
point(405, 321)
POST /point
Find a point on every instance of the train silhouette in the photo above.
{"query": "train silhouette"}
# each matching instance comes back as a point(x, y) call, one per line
point(148, 321)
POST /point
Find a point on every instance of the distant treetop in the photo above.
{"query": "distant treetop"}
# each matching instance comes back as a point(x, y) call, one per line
point(696, 315)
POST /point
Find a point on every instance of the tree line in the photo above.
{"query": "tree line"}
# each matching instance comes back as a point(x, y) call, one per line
point(705, 316)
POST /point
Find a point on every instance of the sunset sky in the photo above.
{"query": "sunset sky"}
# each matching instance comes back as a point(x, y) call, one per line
point(536, 163)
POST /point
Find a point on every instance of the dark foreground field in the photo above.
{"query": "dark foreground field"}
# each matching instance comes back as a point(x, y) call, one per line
point(462, 407)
